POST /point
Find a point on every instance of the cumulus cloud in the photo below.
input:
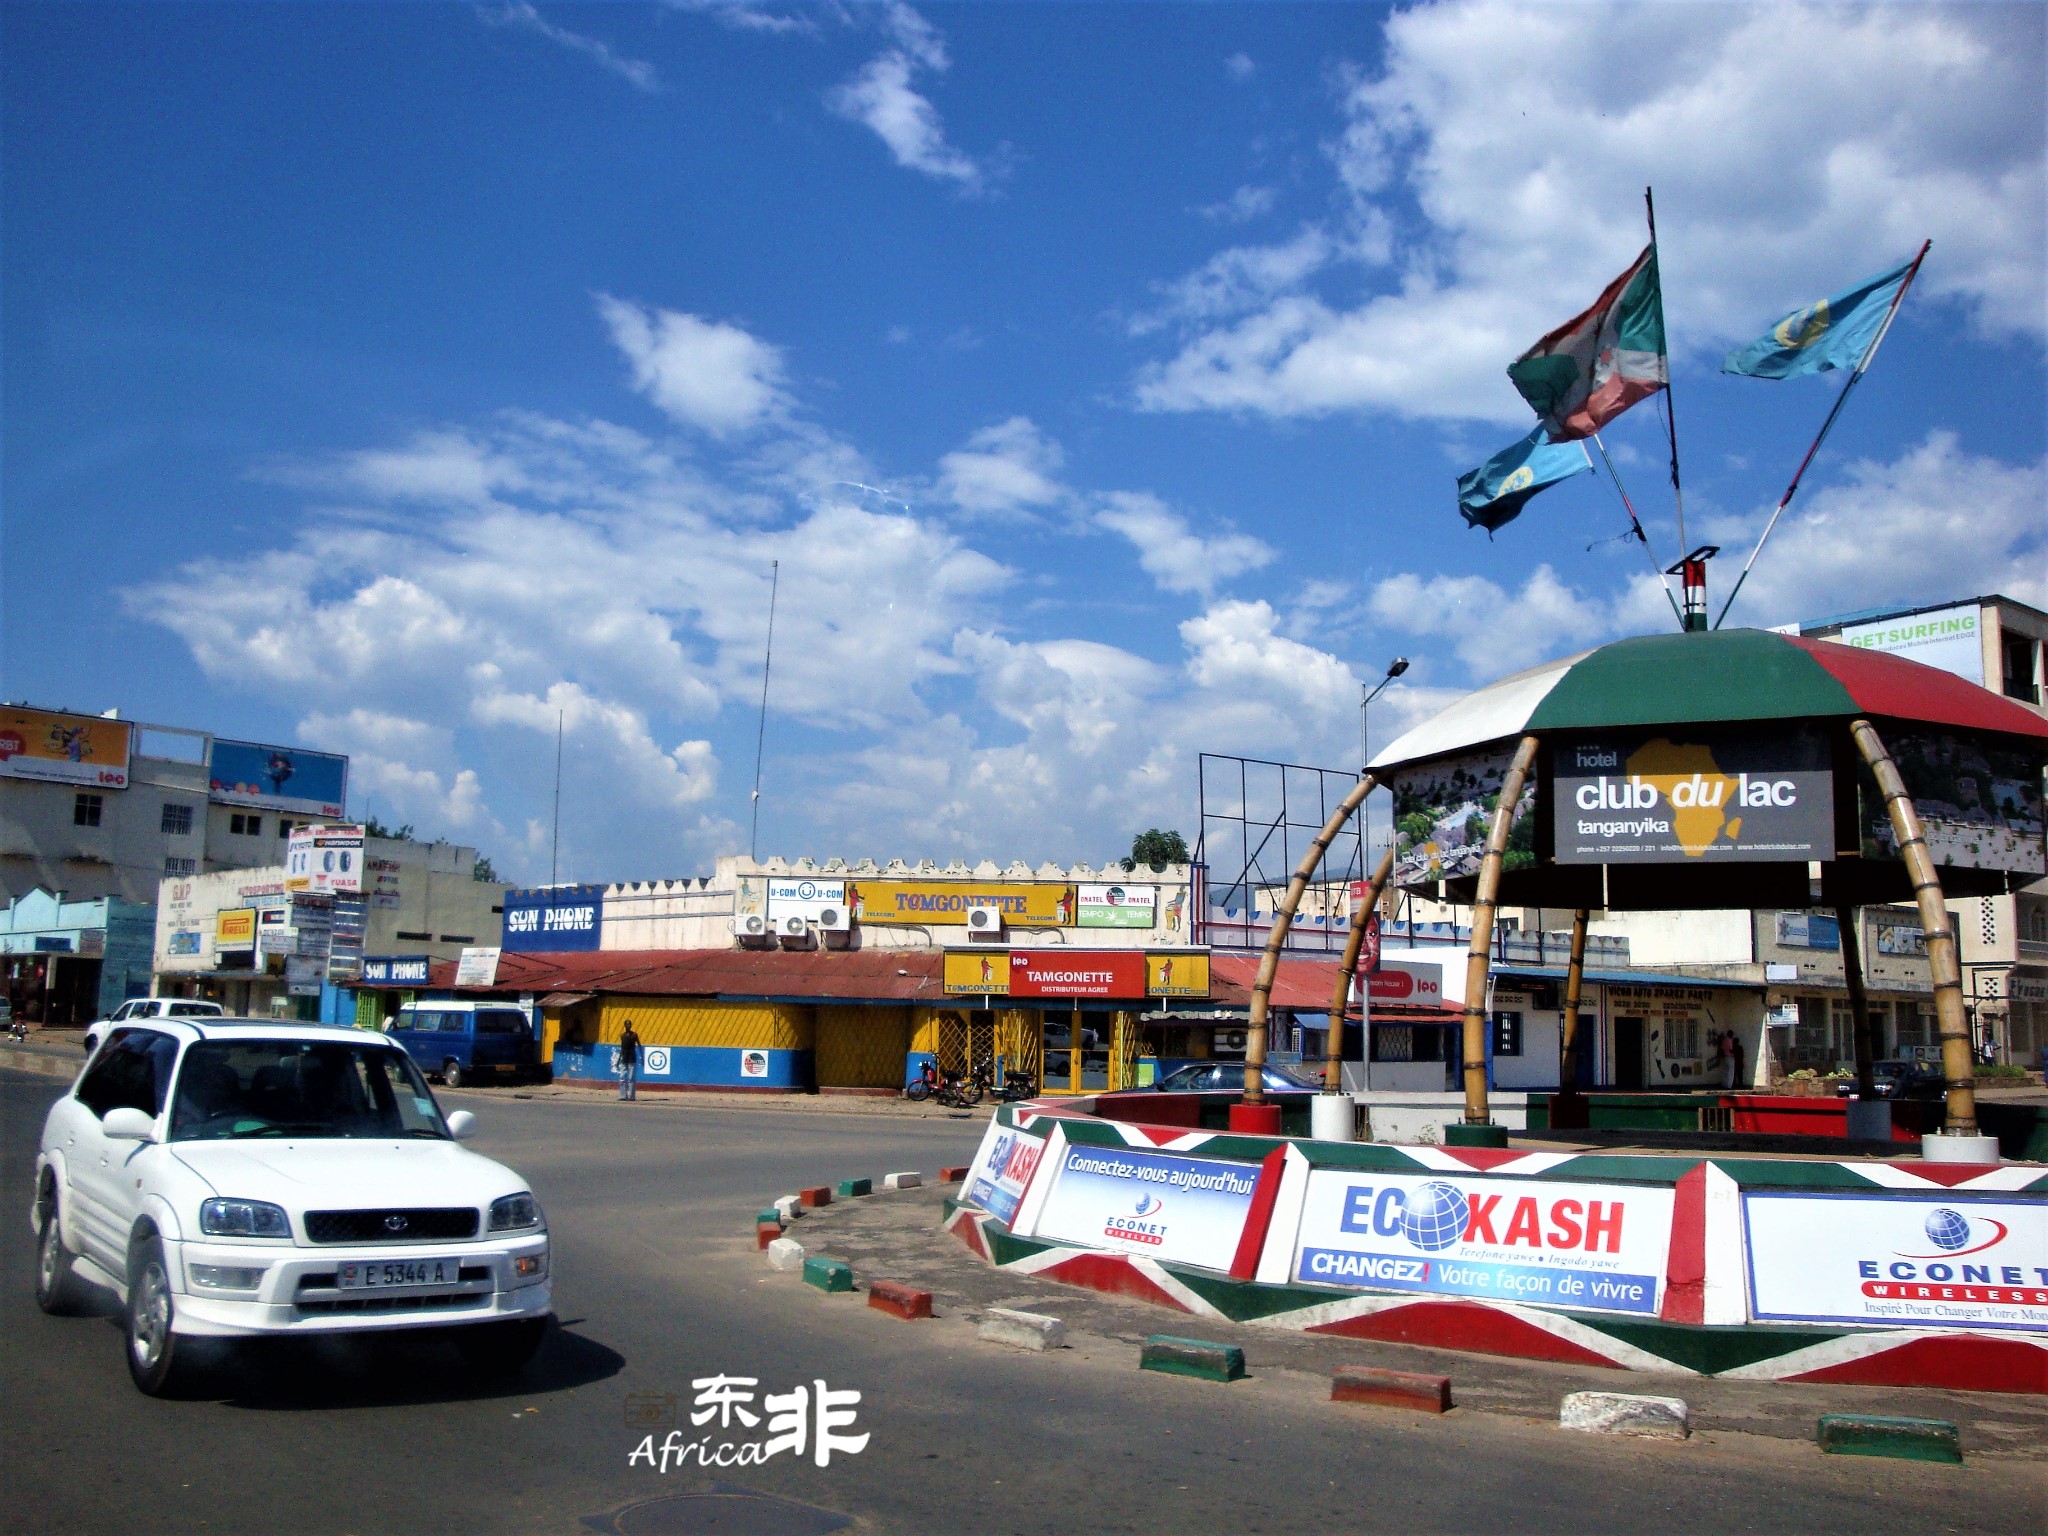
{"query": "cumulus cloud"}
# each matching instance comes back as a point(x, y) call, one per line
point(635, 72)
point(1009, 467)
point(1494, 631)
point(704, 373)
point(1242, 206)
point(1239, 66)
point(883, 99)
point(1506, 147)
point(1172, 554)
point(744, 16)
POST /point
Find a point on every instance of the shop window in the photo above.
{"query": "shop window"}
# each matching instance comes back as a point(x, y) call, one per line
point(285, 825)
point(177, 821)
point(423, 938)
point(1916, 1027)
point(86, 808)
point(1682, 1040)
point(1507, 1033)
point(249, 825)
point(1393, 1042)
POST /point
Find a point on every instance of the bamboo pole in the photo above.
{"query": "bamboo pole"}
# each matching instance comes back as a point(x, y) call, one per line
point(1846, 919)
point(1956, 1065)
point(1276, 938)
point(1340, 993)
point(1480, 959)
point(1574, 985)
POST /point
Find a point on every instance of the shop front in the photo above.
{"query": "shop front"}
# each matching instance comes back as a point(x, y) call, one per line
point(66, 963)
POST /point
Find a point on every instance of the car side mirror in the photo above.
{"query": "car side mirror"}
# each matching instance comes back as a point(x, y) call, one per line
point(462, 1125)
point(125, 1124)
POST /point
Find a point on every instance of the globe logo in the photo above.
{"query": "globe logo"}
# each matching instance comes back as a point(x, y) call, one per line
point(1434, 1217)
point(1148, 1203)
point(1948, 1230)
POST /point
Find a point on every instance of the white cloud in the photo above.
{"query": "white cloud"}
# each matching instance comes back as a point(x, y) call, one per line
point(389, 772)
point(1175, 557)
point(680, 775)
point(1793, 150)
point(1492, 631)
point(1009, 467)
point(635, 72)
point(1242, 278)
point(704, 373)
point(1236, 647)
point(1242, 206)
point(743, 16)
point(882, 98)
point(1239, 66)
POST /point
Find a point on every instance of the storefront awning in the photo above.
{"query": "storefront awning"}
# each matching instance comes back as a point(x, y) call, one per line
point(565, 999)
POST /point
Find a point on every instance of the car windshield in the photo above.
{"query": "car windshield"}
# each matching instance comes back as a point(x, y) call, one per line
point(229, 1089)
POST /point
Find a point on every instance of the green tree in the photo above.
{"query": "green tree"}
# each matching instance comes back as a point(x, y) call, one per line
point(483, 870)
point(1157, 849)
point(372, 827)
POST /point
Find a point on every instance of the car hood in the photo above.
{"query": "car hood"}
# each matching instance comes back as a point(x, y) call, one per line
point(346, 1174)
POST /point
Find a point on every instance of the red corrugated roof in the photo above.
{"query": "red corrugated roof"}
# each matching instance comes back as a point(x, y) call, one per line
point(1304, 985)
point(885, 976)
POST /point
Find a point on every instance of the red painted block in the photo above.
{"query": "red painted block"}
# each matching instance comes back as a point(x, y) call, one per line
point(813, 1198)
point(1255, 1119)
point(765, 1232)
point(899, 1300)
point(1391, 1389)
point(952, 1175)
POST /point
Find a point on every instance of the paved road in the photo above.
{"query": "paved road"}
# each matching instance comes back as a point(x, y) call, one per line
point(658, 1284)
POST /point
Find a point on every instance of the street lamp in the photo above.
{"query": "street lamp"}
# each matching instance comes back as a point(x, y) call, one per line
point(1394, 670)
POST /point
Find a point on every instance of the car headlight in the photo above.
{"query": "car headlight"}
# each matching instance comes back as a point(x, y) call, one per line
point(515, 1212)
point(243, 1218)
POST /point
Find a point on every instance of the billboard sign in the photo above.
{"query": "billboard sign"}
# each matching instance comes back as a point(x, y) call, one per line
point(303, 975)
point(235, 928)
point(1949, 1260)
point(277, 778)
point(1588, 1247)
point(396, 970)
point(325, 860)
point(945, 903)
point(1443, 811)
point(554, 918)
point(1726, 797)
point(1949, 638)
point(1001, 1171)
point(1187, 1210)
point(1118, 906)
point(1979, 801)
point(1077, 973)
point(1180, 975)
point(1418, 983)
point(812, 900)
point(478, 967)
point(65, 749)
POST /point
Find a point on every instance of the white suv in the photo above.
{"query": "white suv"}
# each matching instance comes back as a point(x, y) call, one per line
point(237, 1179)
point(150, 1008)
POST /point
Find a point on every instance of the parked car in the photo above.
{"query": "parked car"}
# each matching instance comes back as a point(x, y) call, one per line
point(463, 1041)
point(151, 1008)
point(1901, 1080)
point(1228, 1076)
point(236, 1179)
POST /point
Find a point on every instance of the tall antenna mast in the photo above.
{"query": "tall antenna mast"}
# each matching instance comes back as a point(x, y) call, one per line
point(761, 735)
point(555, 853)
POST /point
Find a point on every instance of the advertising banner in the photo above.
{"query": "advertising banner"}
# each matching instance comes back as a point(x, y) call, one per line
point(277, 778)
point(972, 971)
point(185, 942)
point(68, 749)
point(1443, 811)
point(1587, 1247)
point(1922, 1261)
point(274, 934)
point(1177, 975)
point(1809, 930)
point(1901, 938)
point(1979, 801)
point(396, 970)
point(945, 902)
point(1190, 1210)
point(554, 918)
point(1001, 1170)
point(1419, 983)
point(478, 967)
point(302, 976)
point(1948, 638)
point(345, 938)
point(1077, 973)
point(235, 928)
point(312, 925)
point(812, 900)
point(325, 859)
point(1118, 906)
point(1727, 796)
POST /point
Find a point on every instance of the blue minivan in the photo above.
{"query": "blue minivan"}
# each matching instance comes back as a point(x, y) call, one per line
point(461, 1042)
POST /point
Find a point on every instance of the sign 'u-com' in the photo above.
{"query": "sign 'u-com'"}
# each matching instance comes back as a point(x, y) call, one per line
point(945, 903)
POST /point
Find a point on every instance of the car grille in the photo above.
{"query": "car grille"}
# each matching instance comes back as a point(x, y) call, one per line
point(442, 1301)
point(391, 1225)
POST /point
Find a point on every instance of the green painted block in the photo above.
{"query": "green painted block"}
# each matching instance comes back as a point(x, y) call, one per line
point(763, 1217)
point(828, 1274)
point(1191, 1357)
point(1870, 1434)
point(849, 1188)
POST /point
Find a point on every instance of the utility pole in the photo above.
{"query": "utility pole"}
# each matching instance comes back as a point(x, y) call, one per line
point(761, 735)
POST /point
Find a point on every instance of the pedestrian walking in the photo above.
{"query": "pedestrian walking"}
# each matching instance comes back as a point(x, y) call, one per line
point(629, 1063)
point(1735, 1051)
point(1724, 1046)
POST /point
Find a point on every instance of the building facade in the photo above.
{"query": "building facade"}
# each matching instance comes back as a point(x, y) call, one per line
point(69, 962)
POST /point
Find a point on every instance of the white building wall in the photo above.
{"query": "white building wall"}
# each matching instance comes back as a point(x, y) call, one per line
point(1682, 938)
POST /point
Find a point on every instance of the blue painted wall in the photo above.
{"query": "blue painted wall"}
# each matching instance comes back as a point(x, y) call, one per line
point(695, 1066)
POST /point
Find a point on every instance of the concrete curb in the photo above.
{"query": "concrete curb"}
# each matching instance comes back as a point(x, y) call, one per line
point(1865, 1434)
point(42, 1063)
point(1382, 1388)
point(903, 1181)
point(1625, 1413)
point(952, 1175)
point(813, 1198)
point(853, 1189)
point(1021, 1330)
point(829, 1275)
point(786, 1253)
point(789, 1207)
point(1199, 1358)
point(898, 1300)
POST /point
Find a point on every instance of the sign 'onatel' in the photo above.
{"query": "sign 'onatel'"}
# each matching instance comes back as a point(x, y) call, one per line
point(1647, 798)
point(1191, 1210)
point(1077, 973)
point(1118, 906)
point(68, 749)
point(1588, 1247)
point(1924, 1261)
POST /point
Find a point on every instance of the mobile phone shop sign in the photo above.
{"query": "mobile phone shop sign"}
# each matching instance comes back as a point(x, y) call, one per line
point(1588, 1247)
point(1661, 798)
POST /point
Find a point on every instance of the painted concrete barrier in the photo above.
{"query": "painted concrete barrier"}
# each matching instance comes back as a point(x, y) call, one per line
point(1022, 1330)
point(1625, 1413)
point(902, 1181)
point(813, 1198)
point(952, 1175)
point(1862, 1434)
point(789, 1207)
point(786, 1253)
point(853, 1189)
point(767, 1232)
point(1199, 1358)
point(1391, 1389)
point(828, 1274)
point(898, 1300)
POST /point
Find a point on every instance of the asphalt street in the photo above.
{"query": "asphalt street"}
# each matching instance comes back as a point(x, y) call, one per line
point(658, 1285)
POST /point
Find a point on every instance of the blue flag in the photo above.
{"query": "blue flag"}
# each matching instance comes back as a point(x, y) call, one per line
point(1493, 494)
point(1833, 333)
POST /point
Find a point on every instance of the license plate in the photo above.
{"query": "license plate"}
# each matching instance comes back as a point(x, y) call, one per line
point(394, 1272)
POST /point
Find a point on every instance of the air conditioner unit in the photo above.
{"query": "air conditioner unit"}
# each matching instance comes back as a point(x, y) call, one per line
point(793, 927)
point(750, 925)
point(984, 920)
point(834, 919)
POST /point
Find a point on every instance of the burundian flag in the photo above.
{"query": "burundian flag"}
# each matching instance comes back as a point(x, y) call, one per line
point(1598, 364)
point(1494, 493)
point(1832, 333)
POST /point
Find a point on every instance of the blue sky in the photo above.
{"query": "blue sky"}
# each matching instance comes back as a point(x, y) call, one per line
point(397, 379)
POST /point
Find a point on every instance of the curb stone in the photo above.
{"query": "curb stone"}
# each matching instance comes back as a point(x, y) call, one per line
point(1391, 1389)
point(902, 1181)
point(1625, 1413)
point(1869, 1434)
point(786, 1253)
point(1199, 1358)
point(1022, 1330)
point(899, 1300)
point(829, 1275)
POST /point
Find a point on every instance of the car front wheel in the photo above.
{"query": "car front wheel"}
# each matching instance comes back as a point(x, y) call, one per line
point(56, 1286)
point(155, 1352)
point(501, 1349)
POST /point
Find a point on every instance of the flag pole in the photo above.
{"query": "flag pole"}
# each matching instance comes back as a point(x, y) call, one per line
point(1636, 524)
point(1670, 405)
point(1842, 399)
